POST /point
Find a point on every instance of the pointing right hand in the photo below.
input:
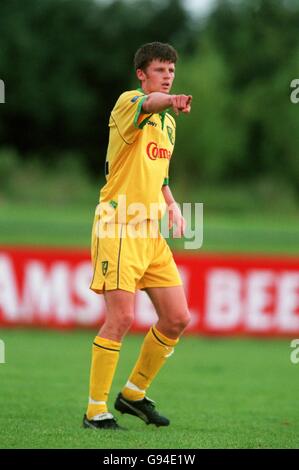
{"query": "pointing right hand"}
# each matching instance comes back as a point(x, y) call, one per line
point(181, 103)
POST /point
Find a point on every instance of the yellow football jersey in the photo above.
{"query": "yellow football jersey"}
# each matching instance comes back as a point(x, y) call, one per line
point(137, 162)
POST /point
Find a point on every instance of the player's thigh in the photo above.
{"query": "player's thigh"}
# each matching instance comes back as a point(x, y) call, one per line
point(119, 300)
point(170, 304)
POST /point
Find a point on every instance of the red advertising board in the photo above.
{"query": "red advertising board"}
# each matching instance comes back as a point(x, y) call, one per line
point(227, 294)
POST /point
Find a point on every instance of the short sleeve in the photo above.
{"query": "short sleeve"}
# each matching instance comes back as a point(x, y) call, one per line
point(127, 115)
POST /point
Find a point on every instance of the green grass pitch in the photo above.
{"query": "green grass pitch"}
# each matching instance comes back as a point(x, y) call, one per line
point(217, 392)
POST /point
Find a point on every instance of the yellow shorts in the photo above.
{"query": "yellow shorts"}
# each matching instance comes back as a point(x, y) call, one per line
point(131, 257)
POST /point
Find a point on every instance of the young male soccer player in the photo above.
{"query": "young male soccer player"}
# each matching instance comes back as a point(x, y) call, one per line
point(128, 251)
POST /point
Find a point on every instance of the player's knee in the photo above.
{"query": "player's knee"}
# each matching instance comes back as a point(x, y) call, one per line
point(179, 322)
point(115, 327)
point(125, 321)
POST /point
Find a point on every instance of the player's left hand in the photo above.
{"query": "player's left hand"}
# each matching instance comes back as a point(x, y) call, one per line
point(176, 221)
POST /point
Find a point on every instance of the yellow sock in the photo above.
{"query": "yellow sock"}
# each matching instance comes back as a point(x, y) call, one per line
point(155, 350)
point(105, 354)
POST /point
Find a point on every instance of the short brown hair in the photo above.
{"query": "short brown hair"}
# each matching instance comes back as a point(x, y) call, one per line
point(154, 50)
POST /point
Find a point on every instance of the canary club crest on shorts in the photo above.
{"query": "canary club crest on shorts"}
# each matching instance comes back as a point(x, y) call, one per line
point(104, 267)
point(170, 134)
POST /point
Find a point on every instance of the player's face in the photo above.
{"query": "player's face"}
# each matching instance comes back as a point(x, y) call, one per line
point(157, 77)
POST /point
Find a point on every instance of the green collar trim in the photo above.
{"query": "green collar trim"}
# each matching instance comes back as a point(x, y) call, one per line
point(162, 115)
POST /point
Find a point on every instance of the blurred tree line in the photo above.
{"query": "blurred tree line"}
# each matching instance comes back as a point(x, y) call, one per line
point(64, 63)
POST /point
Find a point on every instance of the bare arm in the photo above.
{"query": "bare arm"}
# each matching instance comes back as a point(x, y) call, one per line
point(175, 215)
point(169, 199)
point(157, 102)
